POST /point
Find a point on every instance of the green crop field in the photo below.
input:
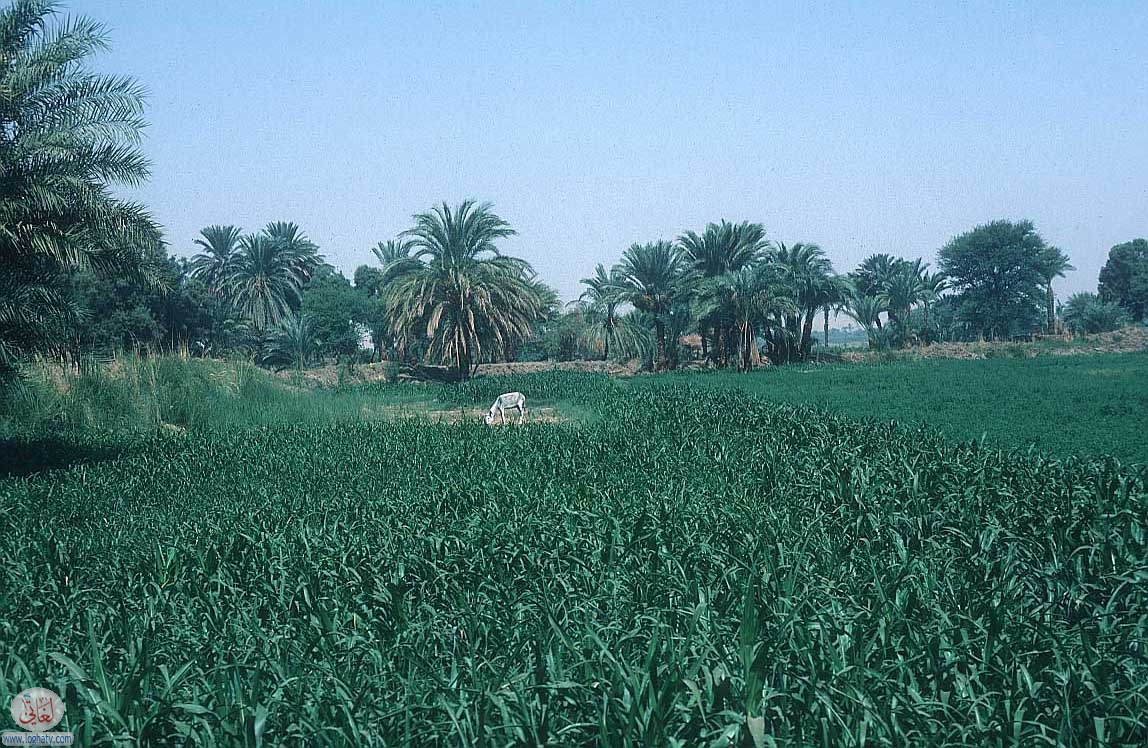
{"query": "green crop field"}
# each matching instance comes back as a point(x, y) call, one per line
point(1064, 405)
point(688, 565)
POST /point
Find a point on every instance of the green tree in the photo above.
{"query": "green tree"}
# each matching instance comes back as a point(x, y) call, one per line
point(996, 270)
point(1124, 278)
point(654, 278)
point(67, 136)
point(457, 292)
point(335, 311)
point(933, 285)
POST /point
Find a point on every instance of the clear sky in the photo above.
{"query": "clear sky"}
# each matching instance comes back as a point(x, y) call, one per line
point(864, 127)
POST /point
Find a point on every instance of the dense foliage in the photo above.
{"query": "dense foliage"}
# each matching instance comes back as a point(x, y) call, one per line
point(67, 137)
point(694, 567)
point(1124, 278)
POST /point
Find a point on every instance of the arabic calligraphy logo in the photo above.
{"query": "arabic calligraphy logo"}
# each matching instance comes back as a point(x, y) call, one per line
point(37, 709)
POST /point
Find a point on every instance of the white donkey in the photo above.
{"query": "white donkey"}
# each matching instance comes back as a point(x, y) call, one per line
point(506, 402)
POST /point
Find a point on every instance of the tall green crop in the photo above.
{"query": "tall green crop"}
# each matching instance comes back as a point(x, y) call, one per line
point(693, 567)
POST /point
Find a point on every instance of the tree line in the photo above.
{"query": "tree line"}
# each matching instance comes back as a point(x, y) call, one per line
point(85, 271)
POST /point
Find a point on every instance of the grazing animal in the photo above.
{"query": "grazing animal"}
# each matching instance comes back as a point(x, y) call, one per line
point(505, 402)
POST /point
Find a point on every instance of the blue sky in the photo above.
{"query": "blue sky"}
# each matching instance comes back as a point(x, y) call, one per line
point(864, 127)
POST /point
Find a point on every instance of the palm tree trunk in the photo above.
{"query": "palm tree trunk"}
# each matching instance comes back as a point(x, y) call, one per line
point(926, 307)
point(1051, 310)
point(606, 350)
point(826, 327)
point(807, 332)
point(660, 334)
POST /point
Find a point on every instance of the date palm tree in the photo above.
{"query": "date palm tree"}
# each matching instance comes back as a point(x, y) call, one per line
point(902, 290)
point(457, 291)
point(722, 248)
point(654, 278)
point(213, 265)
point(805, 270)
point(391, 250)
point(266, 280)
point(1053, 264)
point(932, 286)
point(600, 302)
point(67, 136)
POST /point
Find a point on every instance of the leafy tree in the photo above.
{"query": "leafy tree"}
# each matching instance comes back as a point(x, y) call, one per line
point(1124, 278)
point(997, 270)
point(901, 290)
point(335, 311)
point(67, 136)
point(750, 297)
point(866, 310)
point(654, 279)
point(1088, 313)
point(1053, 264)
point(457, 292)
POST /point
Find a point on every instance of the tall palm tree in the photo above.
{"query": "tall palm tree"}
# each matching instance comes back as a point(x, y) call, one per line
point(67, 135)
point(266, 280)
point(722, 248)
point(601, 299)
point(902, 290)
point(1054, 264)
point(805, 270)
point(457, 291)
point(213, 265)
point(654, 279)
point(295, 245)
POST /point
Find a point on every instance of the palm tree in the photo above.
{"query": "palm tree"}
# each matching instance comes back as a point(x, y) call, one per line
point(67, 136)
point(654, 279)
point(1053, 264)
point(932, 286)
point(834, 293)
point(391, 250)
point(805, 270)
point(294, 341)
point(722, 248)
point(751, 296)
point(220, 246)
point(601, 299)
point(457, 291)
point(866, 310)
point(901, 291)
point(266, 280)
